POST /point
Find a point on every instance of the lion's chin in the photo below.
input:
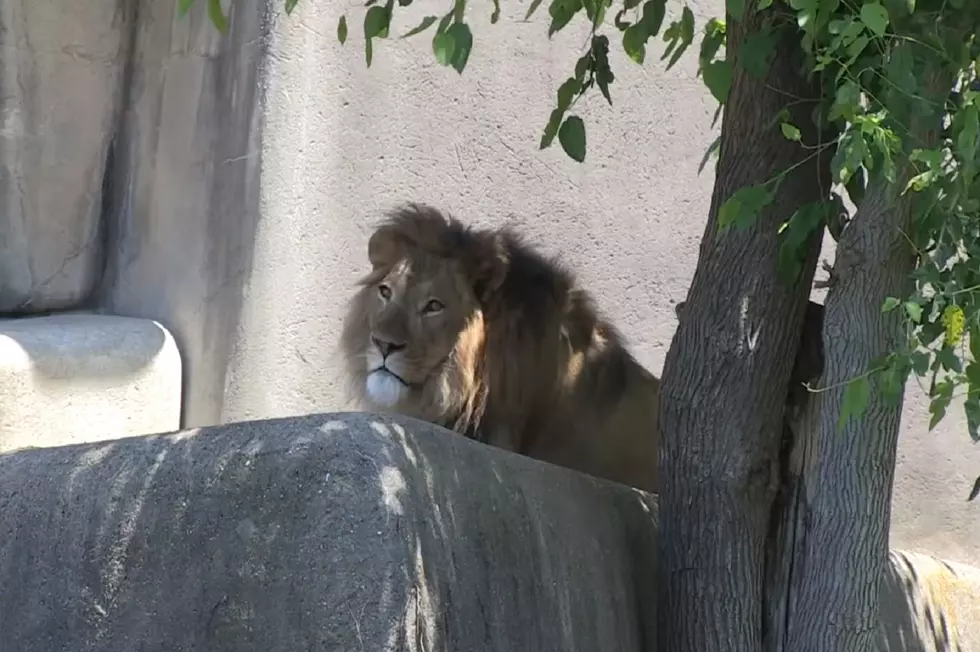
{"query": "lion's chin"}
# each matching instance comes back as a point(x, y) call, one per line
point(384, 389)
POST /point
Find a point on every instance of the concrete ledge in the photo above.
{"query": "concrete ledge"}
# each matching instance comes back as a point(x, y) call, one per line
point(79, 377)
point(352, 532)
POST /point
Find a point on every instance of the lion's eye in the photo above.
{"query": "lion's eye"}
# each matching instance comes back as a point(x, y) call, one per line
point(384, 291)
point(433, 306)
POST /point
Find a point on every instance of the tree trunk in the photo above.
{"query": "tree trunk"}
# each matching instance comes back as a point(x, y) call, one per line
point(842, 509)
point(726, 374)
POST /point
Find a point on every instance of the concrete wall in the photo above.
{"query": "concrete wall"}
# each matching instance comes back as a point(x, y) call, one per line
point(239, 176)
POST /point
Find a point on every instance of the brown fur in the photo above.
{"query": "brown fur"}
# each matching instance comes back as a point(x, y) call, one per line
point(518, 357)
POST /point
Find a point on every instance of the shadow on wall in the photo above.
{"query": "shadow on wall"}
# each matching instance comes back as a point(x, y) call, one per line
point(182, 192)
point(348, 532)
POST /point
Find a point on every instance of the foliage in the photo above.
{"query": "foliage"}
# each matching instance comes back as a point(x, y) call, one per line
point(875, 59)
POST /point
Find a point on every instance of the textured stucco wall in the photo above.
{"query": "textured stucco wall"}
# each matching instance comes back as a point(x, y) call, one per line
point(247, 169)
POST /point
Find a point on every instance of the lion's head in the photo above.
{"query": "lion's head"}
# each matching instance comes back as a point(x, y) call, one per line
point(414, 331)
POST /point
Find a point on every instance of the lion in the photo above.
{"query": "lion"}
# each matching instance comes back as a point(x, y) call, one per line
point(475, 331)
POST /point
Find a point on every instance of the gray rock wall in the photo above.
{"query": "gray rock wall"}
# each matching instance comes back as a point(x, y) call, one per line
point(185, 196)
point(60, 87)
point(326, 533)
point(353, 532)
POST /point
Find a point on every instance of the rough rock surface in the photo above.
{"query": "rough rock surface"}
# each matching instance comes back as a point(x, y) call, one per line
point(354, 532)
point(332, 532)
point(62, 83)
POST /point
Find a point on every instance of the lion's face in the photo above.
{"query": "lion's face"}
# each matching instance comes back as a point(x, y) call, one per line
point(416, 313)
point(414, 332)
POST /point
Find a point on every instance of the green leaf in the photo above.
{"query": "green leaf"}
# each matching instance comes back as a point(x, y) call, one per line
point(217, 16)
point(290, 5)
point(966, 140)
point(914, 311)
point(938, 407)
point(342, 30)
point(975, 491)
point(375, 22)
point(790, 132)
point(562, 12)
point(462, 45)
point(856, 47)
point(681, 38)
point(890, 304)
point(421, 27)
point(764, 4)
point(444, 22)
point(875, 18)
point(713, 148)
point(855, 187)
point(603, 74)
point(595, 10)
point(621, 25)
point(567, 92)
point(572, 137)
point(846, 100)
point(954, 321)
point(893, 378)
point(852, 152)
point(948, 360)
point(442, 46)
point(551, 129)
point(920, 363)
point(714, 36)
point(735, 9)
point(972, 409)
point(530, 10)
point(743, 207)
point(718, 78)
point(654, 12)
point(757, 52)
point(794, 235)
point(973, 375)
point(495, 16)
point(634, 42)
point(855, 400)
point(921, 181)
point(183, 7)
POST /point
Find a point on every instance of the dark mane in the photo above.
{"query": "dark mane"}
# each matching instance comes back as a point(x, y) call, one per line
point(529, 279)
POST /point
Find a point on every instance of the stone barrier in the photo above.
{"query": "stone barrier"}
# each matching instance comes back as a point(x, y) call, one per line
point(354, 532)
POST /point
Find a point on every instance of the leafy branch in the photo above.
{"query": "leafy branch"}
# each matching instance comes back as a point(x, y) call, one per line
point(637, 22)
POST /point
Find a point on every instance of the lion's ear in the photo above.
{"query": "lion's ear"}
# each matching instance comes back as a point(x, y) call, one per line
point(488, 266)
point(383, 248)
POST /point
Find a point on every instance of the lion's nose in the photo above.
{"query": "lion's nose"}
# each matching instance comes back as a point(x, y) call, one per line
point(387, 348)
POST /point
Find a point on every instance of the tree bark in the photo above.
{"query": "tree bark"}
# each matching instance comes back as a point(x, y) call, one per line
point(726, 374)
point(838, 521)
